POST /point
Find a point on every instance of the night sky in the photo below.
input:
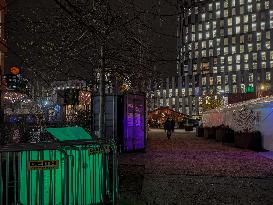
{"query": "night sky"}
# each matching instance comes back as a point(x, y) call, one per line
point(163, 36)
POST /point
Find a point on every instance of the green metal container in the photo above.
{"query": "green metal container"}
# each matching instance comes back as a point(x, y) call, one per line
point(65, 172)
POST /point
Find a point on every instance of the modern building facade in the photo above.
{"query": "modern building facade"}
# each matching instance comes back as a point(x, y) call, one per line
point(225, 46)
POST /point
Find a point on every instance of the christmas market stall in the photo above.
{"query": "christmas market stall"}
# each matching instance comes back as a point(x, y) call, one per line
point(251, 122)
point(157, 118)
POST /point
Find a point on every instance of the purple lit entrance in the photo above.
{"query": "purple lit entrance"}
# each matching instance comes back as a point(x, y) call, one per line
point(134, 122)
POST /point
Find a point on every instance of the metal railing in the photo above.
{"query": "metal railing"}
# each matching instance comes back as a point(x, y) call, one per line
point(75, 172)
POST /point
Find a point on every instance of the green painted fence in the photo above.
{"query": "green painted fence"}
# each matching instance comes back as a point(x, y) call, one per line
point(75, 172)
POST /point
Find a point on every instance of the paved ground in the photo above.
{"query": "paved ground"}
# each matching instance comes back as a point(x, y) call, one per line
point(191, 170)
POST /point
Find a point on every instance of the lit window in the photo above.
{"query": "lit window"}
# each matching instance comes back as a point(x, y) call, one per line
point(229, 68)
point(207, 26)
point(263, 64)
point(203, 17)
point(263, 55)
point(226, 41)
point(218, 41)
point(219, 79)
point(200, 36)
point(218, 13)
point(210, 43)
point(230, 31)
point(255, 57)
point(210, 52)
point(203, 44)
point(249, 8)
point(259, 46)
point(233, 50)
point(211, 80)
point(225, 50)
point(262, 25)
point(227, 89)
point(225, 13)
point(204, 80)
point(271, 55)
point(267, 44)
point(245, 18)
point(250, 77)
point(253, 26)
point(258, 5)
point(241, 9)
point(215, 70)
point(214, 33)
point(225, 4)
point(210, 7)
point(259, 36)
point(271, 14)
point(229, 21)
point(250, 47)
point(207, 34)
point(217, 5)
point(233, 3)
point(229, 59)
point(271, 23)
point(246, 58)
point(238, 29)
point(254, 17)
point(234, 88)
point(238, 58)
point(268, 76)
point(214, 24)
point(238, 67)
point(266, 4)
point(238, 20)
point(246, 28)
point(222, 59)
point(242, 48)
point(246, 66)
point(218, 51)
point(234, 78)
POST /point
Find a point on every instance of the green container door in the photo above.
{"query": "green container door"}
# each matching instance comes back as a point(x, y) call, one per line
point(87, 175)
point(41, 187)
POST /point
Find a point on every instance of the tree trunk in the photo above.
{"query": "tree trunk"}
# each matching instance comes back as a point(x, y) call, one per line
point(102, 96)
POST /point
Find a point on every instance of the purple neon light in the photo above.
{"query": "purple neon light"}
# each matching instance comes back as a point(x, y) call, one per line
point(134, 123)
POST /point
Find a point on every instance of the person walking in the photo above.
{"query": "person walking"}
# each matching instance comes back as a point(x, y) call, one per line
point(168, 127)
point(173, 124)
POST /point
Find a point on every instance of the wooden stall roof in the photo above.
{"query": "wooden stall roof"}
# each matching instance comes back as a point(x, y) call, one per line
point(165, 112)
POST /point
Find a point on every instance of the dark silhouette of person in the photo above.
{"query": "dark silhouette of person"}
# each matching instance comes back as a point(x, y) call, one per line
point(168, 127)
point(173, 124)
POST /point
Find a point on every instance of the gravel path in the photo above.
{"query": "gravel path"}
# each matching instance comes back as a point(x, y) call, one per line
point(191, 170)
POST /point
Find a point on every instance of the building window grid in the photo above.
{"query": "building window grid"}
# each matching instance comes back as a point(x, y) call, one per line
point(245, 50)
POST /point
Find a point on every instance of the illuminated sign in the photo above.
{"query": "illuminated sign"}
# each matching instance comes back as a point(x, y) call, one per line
point(42, 164)
point(15, 70)
point(249, 89)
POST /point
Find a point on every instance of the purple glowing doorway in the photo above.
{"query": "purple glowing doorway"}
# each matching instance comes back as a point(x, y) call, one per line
point(134, 122)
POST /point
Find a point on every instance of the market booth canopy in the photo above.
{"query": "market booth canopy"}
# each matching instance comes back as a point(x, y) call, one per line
point(161, 114)
point(69, 133)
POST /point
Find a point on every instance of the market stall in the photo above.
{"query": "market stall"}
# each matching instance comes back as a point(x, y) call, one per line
point(245, 118)
point(158, 117)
